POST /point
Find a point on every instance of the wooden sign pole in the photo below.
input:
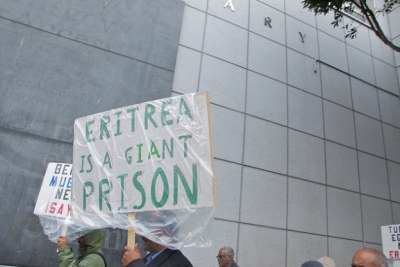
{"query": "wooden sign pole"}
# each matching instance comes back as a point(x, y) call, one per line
point(131, 230)
point(211, 145)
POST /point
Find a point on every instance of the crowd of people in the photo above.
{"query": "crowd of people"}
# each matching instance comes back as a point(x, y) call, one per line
point(90, 255)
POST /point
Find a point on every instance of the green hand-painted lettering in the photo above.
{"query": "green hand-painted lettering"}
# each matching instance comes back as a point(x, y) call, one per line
point(89, 131)
point(159, 173)
point(103, 127)
point(104, 192)
point(122, 184)
point(191, 194)
point(149, 112)
point(140, 188)
point(86, 193)
point(165, 113)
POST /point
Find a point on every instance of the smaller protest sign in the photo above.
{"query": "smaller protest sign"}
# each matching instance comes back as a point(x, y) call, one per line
point(53, 205)
point(391, 243)
point(55, 193)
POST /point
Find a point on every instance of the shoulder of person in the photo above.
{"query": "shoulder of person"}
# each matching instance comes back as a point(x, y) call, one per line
point(136, 263)
point(93, 259)
point(180, 259)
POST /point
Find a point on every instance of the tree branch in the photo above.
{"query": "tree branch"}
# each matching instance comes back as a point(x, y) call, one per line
point(342, 6)
point(370, 15)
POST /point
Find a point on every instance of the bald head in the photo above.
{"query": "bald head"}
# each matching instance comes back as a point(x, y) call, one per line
point(368, 257)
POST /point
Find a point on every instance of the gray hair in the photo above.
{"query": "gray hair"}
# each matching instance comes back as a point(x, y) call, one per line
point(229, 251)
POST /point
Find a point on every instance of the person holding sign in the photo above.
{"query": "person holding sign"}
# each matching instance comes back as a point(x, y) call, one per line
point(159, 256)
point(133, 164)
point(162, 226)
point(90, 254)
point(369, 257)
point(148, 157)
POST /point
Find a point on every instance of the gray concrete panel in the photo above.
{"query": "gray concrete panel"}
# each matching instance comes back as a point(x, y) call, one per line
point(146, 30)
point(47, 82)
point(61, 60)
point(23, 162)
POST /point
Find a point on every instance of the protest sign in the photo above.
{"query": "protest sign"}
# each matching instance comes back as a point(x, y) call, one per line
point(55, 192)
point(147, 157)
point(53, 205)
point(391, 241)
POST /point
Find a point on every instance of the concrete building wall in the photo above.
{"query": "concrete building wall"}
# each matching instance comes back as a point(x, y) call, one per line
point(306, 130)
point(306, 125)
point(61, 60)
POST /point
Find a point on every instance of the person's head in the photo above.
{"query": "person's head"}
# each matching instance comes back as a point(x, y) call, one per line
point(312, 264)
point(91, 241)
point(151, 246)
point(225, 256)
point(321, 262)
point(368, 257)
point(160, 226)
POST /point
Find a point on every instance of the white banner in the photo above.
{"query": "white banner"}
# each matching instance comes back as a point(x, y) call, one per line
point(151, 156)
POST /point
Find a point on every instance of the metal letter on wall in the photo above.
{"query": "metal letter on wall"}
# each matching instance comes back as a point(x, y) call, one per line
point(229, 3)
point(302, 36)
point(267, 21)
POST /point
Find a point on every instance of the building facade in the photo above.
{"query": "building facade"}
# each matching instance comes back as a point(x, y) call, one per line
point(305, 122)
point(305, 129)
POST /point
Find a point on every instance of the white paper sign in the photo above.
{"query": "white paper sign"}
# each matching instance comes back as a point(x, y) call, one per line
point(55, 193)
point(391, 241)
point(152, 156)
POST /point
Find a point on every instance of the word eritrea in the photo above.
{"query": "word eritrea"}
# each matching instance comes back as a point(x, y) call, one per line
point(159, 183)
point(165, 118)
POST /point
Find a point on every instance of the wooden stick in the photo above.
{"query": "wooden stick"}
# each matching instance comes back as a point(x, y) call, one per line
point(211, 145)
point(131, 230)
point(64, 227)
